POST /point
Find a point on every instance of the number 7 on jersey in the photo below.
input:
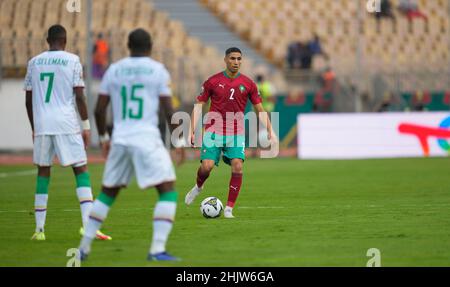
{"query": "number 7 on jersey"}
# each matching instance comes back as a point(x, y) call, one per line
point(51, 77)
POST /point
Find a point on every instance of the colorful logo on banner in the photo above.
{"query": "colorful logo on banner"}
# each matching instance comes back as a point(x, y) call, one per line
point(442, 133)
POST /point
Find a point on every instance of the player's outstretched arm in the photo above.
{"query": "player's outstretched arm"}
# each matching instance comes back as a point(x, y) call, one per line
point(195, 117)
point(29, 105)
point(165, 103)
point(262, 114)
point(82, 109)
point(100, 121)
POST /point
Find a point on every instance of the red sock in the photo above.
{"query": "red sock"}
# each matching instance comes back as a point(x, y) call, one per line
point(235, 187)
point(201, 177)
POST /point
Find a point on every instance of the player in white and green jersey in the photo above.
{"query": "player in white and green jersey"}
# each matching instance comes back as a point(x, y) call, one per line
point(54, 86)
point(136, 86)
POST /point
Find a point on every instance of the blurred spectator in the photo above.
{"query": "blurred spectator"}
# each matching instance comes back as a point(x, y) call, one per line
point(101, 57)
point(266, 92)
point(299, 56)
point(385, 12)
point(328, 79)
point(315, 47)
point(293, 55)
point(323, 98)
point(306, 56)
point(411, 10)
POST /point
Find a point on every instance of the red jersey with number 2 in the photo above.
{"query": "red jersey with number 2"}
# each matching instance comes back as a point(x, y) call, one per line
point(228, 96)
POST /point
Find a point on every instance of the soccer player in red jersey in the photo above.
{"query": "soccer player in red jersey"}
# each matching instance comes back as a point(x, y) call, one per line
point(229, 92)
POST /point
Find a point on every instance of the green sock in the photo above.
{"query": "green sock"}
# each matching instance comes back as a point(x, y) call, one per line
point(40, 202)
point(84, 193)
point(83, 180)
point(170, 196)
point(106, 199)
point(42, 185)
point(163, 218)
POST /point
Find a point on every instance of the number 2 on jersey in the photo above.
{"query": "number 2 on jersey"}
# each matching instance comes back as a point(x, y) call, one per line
point(51, 77)
point(128, 112)
point(232, 94)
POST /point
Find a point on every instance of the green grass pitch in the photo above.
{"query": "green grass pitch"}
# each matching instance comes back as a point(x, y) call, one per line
point(289, 213)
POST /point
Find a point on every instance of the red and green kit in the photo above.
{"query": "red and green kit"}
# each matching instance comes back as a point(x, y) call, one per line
point(224, 127)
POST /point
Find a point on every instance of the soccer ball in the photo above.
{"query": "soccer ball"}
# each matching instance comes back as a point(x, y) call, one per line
point(211, 207)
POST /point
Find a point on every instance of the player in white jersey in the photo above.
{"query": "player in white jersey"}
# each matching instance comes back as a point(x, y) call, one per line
point(54, 85)
point(136, 86)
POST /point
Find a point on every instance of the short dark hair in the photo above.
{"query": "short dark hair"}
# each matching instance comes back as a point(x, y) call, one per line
point(140, 40)
point(232, 50)
point(56, 32)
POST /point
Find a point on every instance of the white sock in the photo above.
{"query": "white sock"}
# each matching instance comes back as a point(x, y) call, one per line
point(85, 197)
point(163, 218)
point(40, 211)
point(98, 214)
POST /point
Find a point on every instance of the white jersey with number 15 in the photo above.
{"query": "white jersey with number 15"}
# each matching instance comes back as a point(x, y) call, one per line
point(135, 85)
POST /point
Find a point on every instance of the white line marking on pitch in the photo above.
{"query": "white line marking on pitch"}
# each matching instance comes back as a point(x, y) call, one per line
point(18, 173)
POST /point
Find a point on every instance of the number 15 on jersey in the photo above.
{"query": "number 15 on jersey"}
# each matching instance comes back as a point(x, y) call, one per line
point(127, 112)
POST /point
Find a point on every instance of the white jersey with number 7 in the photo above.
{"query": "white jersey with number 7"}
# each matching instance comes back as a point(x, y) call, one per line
point(51, 77)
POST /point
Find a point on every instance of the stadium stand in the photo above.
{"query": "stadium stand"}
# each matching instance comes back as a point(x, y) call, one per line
point(408, 56)
point(24, 22)
point(411, 56)
point(273, 24)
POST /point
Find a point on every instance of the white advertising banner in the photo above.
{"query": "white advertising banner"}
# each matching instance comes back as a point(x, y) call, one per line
point(373, 135)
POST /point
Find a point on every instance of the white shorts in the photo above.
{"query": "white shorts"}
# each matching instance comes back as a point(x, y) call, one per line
point(151, 164)
point(68, 148)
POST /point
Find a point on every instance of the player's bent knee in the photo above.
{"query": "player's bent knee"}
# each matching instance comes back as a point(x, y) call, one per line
point(79, 169)
point(166, 187)
point(236, 169)
point(236, 166)
point(111, 191)
point(44, 171)
point(207, 165)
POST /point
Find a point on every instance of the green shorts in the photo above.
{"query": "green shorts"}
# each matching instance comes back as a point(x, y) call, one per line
point(213, 145)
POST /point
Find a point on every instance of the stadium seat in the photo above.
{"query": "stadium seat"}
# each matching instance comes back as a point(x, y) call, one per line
point(268, 25)
point(23, 35)
point(336, 23)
